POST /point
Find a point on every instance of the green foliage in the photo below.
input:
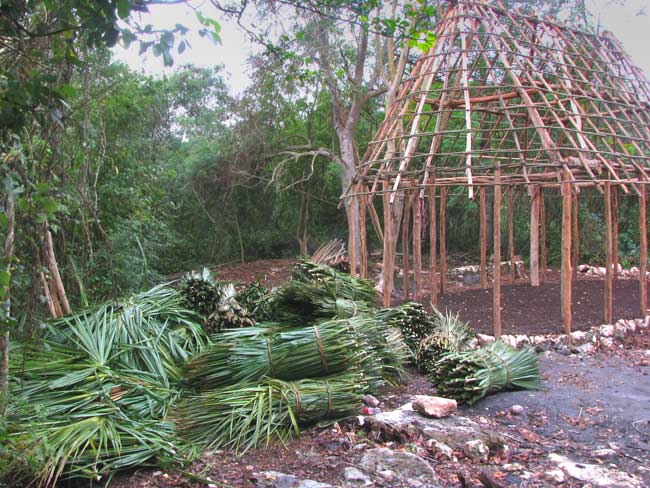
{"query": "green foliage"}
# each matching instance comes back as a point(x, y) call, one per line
point(101, 384)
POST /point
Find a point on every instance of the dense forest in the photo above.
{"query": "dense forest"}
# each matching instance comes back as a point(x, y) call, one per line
point(113, 181)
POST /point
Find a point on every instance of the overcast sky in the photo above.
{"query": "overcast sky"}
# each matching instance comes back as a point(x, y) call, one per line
point(630, 22)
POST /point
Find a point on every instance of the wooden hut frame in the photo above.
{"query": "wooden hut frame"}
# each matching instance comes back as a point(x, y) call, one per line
point(505, 100)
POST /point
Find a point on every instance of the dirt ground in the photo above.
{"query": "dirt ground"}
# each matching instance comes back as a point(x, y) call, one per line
point(536, 310)
point(590, 402)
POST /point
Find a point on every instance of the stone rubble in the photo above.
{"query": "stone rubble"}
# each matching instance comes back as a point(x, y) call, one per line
point(595, 474)
point(433, 406)
point(582, 342)
point(477, 451)
point(399, 468)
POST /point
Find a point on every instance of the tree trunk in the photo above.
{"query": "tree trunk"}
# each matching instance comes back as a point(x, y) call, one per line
point(8, 255)
point(348, 162)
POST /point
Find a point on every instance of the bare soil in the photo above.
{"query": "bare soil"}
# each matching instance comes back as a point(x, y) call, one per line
point(536, 310)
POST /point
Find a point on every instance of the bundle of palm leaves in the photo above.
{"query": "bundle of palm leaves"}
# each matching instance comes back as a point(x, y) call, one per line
point(448, 334)
point(250, 354)
point(252, 294)
point(470, 375)
point(386, 354)
point(200, 292)
point(101, 383)
point(411, 319)
point(341, 285)
point(229, 313)
point(245, 415)
point(299, 302)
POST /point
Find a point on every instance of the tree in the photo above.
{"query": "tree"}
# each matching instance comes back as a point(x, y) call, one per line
point(358, 51)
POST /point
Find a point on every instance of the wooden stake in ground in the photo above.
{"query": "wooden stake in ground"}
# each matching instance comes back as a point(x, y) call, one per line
point(388, 245)
point(363, 235)
point(496, 286)
point(406, 258)
point(643, 252)
point(433, 223)
point(483, 237)
point(575, 228)
point(615, 206)
point(511, 232)
point(534, 238)
point(609, 253)
point(417, 247)
point(443, 242)
point(542, 235)
point(566, 253)
point(352, 246)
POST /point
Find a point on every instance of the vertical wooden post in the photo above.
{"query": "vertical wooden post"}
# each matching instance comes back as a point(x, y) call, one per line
point(575, 227)
point(417, 247)
point(54, 270)
point(609, 253)
point(643, 251)
point(433, 223)
point(352, 241)
point(363, 234)
point(511, 232)
point(615, 205)
point(566, 253)
point(496, 285)
point(542, 235)
point(534, 238)
point(388, 245)
point(443, 243)
point(483, 236)
point(406, 258)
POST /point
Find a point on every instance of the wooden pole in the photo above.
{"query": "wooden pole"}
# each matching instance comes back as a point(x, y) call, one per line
point(417, 247)
point(483, 236)
point(615, 205)
point(609, 253)
point(433, 245)
point(643, 252)
point(534, 238)
point(443, 243)
point(406, 258)
point(54, 270)
point(496, 285)
point(352, 241)
point(566, 253)
point(374, 218)
point(542, 234)
point(363, 236)
point(388, 246)
point(511, 232)
point(575, 227)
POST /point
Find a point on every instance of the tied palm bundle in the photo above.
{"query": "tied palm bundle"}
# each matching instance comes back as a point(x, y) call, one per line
point(297, 302)
point(229, 313)
point(411, 319)
point(251, 296)
point(101, 384)
point(448, 334)
point(341, 285)
point(247, 355)
point(386, 353)
point(468, 376)
point(246, 415)
point(200, 292)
